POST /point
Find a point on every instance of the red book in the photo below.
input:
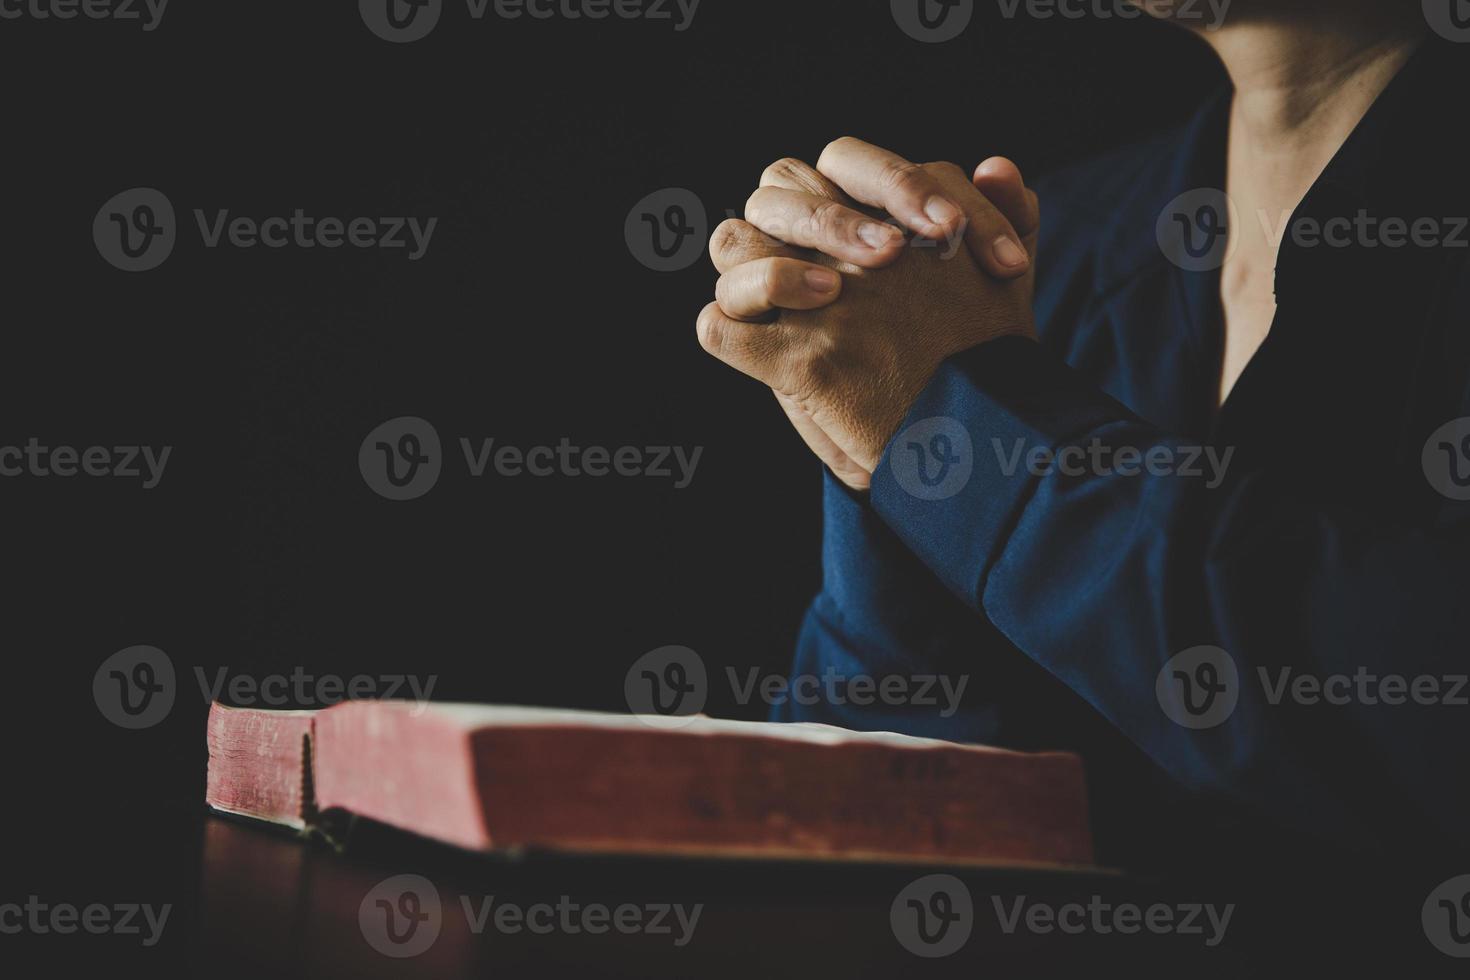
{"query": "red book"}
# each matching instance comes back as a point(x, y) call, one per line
point(511, 778)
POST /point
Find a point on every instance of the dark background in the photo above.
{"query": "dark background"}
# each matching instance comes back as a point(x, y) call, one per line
point(528, 320)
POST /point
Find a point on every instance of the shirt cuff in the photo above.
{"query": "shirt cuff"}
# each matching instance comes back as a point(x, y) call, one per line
point(873, 587)
point(953, 482)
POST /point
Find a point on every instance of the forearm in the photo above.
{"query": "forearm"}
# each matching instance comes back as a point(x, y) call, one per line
point(1102, 578)
point(882, 614)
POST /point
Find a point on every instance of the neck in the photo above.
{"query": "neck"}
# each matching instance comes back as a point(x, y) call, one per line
point(1305, 76)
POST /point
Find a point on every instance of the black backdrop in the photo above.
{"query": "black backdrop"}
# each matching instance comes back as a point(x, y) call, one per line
point(528, 320)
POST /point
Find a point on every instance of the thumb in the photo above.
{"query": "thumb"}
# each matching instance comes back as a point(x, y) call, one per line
point(999, 179)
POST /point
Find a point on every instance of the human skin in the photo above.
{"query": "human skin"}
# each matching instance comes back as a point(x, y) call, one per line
point(847, 355)
point(842, 367)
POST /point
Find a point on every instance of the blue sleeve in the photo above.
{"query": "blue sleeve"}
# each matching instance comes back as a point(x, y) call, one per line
point(881, 614)
point(1105, 580)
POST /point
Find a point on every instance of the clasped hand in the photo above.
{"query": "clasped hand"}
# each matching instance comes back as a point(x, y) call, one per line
point(823, 297)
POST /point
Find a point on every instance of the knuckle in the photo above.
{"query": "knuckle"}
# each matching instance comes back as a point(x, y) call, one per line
point(727, 236)
point(812, 372)
point(755, 202)
point(826, 220)
point(709, 328)
point(787, 170)
point(838, 146)
point(989, 219)
point(903, 178)
point(945, 169)
point(773, 275)
point(723, 289)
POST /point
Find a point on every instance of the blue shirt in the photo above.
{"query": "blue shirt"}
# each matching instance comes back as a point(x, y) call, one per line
point(1332, 547)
